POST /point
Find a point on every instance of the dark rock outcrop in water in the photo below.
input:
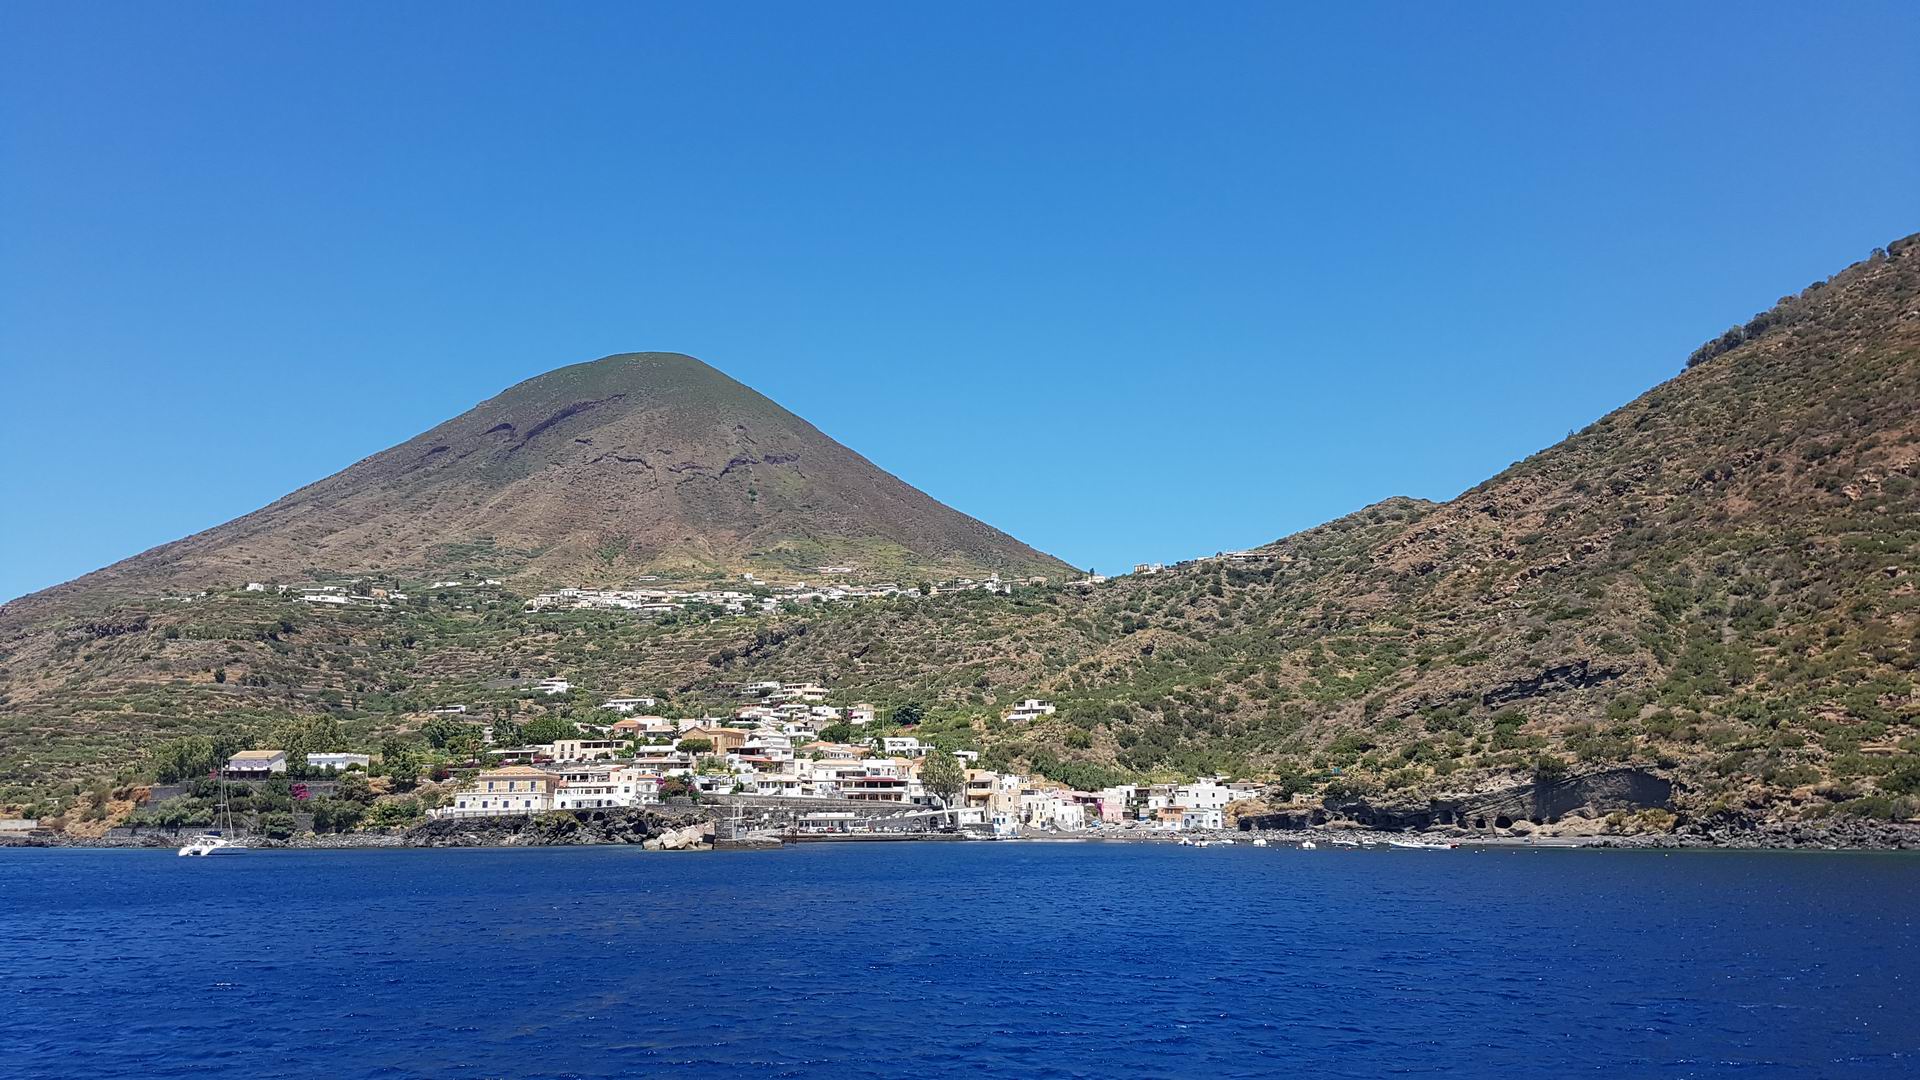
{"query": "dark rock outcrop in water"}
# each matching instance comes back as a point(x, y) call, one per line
point(672, 828)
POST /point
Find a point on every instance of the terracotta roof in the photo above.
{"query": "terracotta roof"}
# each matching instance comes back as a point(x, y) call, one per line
point(516, 772)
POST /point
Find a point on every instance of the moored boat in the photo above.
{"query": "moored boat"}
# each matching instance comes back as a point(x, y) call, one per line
point(220, 838)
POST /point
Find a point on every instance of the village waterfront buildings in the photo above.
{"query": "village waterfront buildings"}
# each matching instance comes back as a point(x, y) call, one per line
point(772, 748)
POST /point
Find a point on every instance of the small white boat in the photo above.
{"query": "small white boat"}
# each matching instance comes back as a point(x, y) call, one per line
point(1308, 845)
point(1259, 841)
point(211, 843)
point(219, 838)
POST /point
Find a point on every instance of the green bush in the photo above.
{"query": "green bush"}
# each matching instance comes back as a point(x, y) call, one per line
point(277, 825)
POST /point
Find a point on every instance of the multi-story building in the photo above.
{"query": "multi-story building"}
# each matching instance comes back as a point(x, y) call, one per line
point(725, 740)
point(1203, 794)
point(587, 749)
point(511, 790)
point(585, 787)
point(663, 760)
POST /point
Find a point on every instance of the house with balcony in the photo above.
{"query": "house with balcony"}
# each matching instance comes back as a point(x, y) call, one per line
point(587, 749)
point(1203, 794)
point(515, 789)
point(663, 760)
point(597, 786)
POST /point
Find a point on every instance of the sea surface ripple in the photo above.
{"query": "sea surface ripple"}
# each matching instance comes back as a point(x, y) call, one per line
point(1021, 960)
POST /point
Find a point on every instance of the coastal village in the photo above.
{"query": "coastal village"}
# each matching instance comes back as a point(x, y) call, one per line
point(818, 761)
point(782, 745)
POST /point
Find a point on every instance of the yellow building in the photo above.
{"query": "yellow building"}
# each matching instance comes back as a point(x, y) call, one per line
point(512, 790)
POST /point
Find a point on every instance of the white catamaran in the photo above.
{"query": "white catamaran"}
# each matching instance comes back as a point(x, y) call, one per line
point(220, 838)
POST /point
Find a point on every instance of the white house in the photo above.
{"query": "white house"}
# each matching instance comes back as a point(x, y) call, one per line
point(811, 693)
point(256, 764)
point(663, 760)
point(1051, 808)
point(340, 762)
point(625, 705)
point(771, 745)
point(1205, 794)
point(587, 787)
point(1201, 819)
point(553, 686)
point(781, 783)
point(903, 746)
point(1030, 709)
point(861, 715)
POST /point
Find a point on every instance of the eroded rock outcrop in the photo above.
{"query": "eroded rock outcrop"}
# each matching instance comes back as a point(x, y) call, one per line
point(1538, 803)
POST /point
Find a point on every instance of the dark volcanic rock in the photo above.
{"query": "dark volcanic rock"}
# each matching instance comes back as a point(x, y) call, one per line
point(619, 826)
point(1541, 802)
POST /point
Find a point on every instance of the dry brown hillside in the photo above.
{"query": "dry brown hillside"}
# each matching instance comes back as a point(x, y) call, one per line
point(1716, 582)
point(590, 474)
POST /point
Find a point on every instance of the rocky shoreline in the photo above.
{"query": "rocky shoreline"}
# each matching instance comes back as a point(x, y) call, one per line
point(676, 829)
point(1833, 834)
point(669, 830)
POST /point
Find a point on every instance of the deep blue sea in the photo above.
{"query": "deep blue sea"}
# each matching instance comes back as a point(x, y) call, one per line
point(980, 960)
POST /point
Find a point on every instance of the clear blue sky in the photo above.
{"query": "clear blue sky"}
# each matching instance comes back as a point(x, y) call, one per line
point(1131, 282)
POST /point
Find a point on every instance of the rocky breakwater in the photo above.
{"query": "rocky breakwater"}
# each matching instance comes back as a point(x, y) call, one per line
point(655, 828)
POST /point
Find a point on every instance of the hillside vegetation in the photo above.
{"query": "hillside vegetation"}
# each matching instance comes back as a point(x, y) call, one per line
point(1716, 582)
